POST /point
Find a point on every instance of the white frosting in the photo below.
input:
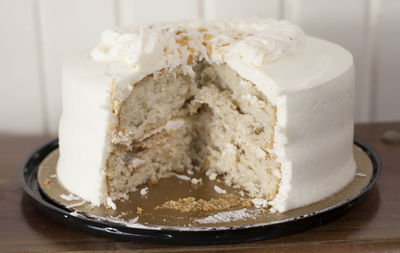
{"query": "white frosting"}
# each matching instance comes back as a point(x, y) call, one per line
point(310, 81)
point(257, 42)
point(83, 129)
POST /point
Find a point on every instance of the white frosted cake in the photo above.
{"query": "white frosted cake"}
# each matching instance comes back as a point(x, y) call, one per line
point(255, 103)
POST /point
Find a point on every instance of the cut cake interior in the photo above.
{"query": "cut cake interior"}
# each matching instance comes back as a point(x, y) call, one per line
point(213, 121)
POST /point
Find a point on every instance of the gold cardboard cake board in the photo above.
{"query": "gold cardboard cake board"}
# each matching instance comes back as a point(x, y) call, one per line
point(140, 209)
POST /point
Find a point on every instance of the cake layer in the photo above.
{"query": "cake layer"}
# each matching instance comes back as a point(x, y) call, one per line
point(223, 132)
point(155, 157)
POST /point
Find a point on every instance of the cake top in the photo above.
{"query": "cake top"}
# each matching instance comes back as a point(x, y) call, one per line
point(262, 51)
point(256, 41)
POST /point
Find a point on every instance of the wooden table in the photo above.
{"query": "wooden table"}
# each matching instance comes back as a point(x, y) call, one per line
point(372, 226)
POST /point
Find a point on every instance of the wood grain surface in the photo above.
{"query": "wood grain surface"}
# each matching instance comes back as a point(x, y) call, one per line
point(374, 226)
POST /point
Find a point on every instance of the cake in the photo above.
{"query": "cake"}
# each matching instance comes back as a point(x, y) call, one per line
point(254, 102)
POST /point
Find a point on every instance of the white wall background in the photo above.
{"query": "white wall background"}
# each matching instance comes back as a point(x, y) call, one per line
point(36, 36)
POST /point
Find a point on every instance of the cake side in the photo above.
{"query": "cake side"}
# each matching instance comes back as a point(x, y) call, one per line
point(314, 130)
point(326, 132)
point(83, 129)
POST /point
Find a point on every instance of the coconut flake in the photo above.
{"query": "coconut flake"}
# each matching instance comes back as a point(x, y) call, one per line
point(219, 190)
point(69, 197)
point(144, 191)
point(182, 177)
point(110, 203)
point(76, 204)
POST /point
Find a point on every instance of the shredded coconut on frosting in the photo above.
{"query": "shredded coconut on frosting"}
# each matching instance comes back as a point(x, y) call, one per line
point(255, 41)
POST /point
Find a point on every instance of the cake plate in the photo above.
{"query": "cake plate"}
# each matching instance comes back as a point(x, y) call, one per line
point(139, 220)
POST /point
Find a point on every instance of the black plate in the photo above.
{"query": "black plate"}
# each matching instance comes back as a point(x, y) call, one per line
point(225, 235)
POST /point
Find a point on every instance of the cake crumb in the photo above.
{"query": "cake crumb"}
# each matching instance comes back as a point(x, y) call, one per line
point(219, 189)
point(169, 175)
point(46, 181)
point(229, 216)
point(144, 191)
point(196, 181)
point(136, 163)
point(213, 176)
point(190, 204)
point(154, 180)
point(139, 210)
point(110, 203)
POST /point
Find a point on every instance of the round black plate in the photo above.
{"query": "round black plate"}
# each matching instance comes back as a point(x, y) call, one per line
point(236, 234)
